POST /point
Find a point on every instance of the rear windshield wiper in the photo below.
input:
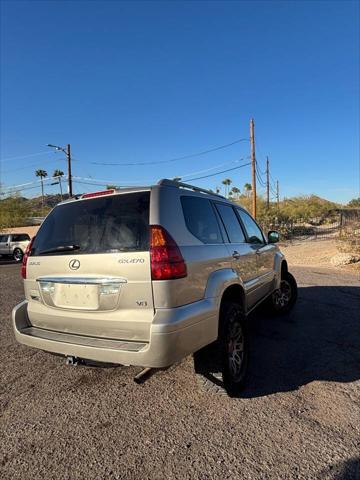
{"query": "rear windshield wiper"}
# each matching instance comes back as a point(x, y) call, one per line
point(60, 249)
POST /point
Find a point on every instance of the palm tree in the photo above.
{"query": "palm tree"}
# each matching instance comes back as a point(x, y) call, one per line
point(42, 174)
point(235, 191)
point(58, 174)
point(248, 189)
point(226, 182)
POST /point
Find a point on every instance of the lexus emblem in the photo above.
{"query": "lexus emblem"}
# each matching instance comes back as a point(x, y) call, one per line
point(74, 264)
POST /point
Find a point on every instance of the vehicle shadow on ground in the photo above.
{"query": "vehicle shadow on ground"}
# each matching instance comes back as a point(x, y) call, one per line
point(318, 340)
point(348, 470)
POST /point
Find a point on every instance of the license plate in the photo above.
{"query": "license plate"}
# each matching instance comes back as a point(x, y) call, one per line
point(76, 296)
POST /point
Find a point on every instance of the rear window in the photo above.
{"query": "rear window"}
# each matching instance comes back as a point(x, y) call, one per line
point(116, 223)
point(200, 219)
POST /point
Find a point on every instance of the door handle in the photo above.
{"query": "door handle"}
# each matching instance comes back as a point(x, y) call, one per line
point(236, 254)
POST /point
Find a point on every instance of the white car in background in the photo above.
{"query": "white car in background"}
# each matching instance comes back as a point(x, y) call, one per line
point(14, 245)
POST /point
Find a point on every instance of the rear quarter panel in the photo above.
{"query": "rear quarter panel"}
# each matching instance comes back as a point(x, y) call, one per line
point(201, 259)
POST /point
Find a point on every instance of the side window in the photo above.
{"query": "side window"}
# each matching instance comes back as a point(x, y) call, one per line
point(15, 238)
point(3, 238)
point(200, 219)
point(231, 223)
point(22, 237)
point(253, 231)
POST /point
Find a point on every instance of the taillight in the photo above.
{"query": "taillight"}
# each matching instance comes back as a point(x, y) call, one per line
point(25, 258)
point(167, 263)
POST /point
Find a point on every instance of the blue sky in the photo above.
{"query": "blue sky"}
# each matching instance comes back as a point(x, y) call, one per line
point(136, 82)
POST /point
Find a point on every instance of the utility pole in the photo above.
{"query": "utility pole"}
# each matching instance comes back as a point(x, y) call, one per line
point(267, 184)
point(68, 156)
point(253, 167)
point(277, 193)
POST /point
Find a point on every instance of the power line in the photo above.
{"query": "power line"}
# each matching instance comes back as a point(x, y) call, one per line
point(9, 192)
point(28, 185)
point(10, 159)
point(92, 179)
point(99, 184)
point(218, 173)
point(262, 183)
point(158, 162)
point(96, 181)
point(32, 165)
point(213, 168)
point(272, 179)
point(259, 169)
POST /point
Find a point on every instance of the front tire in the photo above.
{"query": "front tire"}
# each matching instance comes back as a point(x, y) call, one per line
point(18, 255)
point(283, 299)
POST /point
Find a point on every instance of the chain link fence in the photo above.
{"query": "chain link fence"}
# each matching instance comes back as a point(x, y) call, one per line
point(342, 225)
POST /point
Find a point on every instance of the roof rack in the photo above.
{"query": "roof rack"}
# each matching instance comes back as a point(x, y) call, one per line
point(173, 183)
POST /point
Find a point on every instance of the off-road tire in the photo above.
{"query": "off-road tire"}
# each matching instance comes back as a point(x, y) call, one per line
point(213, 364)
point(284, 299)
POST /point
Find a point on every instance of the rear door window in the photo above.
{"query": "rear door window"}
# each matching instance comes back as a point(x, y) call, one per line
point(114, 223)
point(231, 223)
point(4, 238)
point(200, 219)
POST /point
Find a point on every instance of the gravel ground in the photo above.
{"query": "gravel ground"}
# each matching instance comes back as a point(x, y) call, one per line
point(299, 417)
point(315, 253)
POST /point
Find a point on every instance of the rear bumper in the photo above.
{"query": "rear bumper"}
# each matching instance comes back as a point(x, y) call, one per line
point(175, 333)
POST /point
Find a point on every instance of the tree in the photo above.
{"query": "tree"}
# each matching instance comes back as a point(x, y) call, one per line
point(235, 191)
point(112, 187)
point(58, 174)
point(42, 174)
point(248, 189)
point(227, 183)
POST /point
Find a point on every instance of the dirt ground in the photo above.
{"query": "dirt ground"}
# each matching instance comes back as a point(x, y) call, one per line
point(31, 231)
point(298, 418)
point(315, 253)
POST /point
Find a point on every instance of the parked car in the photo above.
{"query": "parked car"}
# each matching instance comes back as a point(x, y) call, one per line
point(146, 276)
point(14, 245)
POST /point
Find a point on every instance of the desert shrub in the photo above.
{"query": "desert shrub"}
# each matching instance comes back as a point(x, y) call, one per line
point(13, 211)
point(349, 240)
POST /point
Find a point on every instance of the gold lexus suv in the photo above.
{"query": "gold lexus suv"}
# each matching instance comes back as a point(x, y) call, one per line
point(147, 275)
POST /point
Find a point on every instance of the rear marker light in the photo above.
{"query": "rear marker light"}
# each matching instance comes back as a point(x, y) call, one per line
point(98, 194)
point(25, 258)
point(167, 263)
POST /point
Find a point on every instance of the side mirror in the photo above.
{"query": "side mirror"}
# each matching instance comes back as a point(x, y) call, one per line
point(273, 237)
